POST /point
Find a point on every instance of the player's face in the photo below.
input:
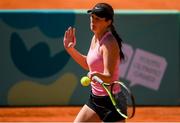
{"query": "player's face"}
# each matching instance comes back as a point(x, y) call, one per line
point(98, 24)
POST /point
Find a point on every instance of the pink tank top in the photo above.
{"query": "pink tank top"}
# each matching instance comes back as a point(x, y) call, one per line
point(95, 63)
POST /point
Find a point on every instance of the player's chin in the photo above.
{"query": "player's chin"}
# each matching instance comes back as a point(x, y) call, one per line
point(93, 28)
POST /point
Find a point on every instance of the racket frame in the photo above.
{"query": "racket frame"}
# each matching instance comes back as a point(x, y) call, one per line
point(104, 85)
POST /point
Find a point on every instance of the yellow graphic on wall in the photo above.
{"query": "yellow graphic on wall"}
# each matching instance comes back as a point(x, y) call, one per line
point(33, 93)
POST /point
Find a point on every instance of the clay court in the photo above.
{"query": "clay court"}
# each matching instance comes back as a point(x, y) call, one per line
point(68, 113)
point(86, 4)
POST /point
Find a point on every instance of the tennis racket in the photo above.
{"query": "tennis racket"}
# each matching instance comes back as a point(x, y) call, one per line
point(121, 97)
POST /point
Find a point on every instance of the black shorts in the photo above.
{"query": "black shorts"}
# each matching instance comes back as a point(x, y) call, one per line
point(103, 106)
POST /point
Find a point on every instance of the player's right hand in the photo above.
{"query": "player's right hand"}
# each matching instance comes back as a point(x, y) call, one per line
point(69, 38)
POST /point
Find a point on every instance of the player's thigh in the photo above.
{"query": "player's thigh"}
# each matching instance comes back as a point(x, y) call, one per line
point(86, 114)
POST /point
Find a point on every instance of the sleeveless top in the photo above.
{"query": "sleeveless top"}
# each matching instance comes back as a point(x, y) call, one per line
point(95, 63)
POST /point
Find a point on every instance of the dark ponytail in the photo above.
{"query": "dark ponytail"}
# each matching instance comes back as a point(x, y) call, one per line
point(119, 41)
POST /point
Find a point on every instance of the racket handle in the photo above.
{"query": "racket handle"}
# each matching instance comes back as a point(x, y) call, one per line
point(97, 79)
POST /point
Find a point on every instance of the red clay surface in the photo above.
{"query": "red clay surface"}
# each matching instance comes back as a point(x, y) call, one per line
point(67, 114)
point(86, 4)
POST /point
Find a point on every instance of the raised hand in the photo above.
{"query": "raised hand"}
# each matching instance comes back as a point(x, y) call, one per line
point(69, 38)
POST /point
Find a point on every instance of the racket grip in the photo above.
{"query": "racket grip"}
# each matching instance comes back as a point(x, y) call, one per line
point(97, 79)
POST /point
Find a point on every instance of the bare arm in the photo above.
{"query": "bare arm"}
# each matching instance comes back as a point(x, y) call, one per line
point(69, 44)
point(78, 57)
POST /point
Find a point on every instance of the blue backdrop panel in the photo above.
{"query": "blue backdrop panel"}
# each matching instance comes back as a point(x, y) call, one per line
point(36, 70)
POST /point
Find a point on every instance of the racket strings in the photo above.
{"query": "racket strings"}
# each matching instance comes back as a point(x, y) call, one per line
point(123, 99)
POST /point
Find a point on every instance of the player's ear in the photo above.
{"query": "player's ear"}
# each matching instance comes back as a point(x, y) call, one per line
point(109, 22)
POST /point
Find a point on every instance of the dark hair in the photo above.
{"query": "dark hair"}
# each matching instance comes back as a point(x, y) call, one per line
point(104, 10)
point(119, 41)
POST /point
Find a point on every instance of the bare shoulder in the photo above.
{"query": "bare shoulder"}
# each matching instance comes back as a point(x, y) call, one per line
point(111, 43)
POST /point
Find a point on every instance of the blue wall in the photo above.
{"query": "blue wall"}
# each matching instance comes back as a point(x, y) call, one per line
point(36, 70)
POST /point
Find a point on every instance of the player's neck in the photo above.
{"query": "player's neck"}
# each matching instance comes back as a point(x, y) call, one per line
point(98, 36)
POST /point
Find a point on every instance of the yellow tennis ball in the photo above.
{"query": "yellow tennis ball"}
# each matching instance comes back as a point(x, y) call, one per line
point(85, 81)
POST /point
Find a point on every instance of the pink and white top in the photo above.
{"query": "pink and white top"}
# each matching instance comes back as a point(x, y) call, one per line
point(95, 63)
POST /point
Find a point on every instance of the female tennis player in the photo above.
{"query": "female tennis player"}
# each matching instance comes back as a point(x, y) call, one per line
point(102, 60)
